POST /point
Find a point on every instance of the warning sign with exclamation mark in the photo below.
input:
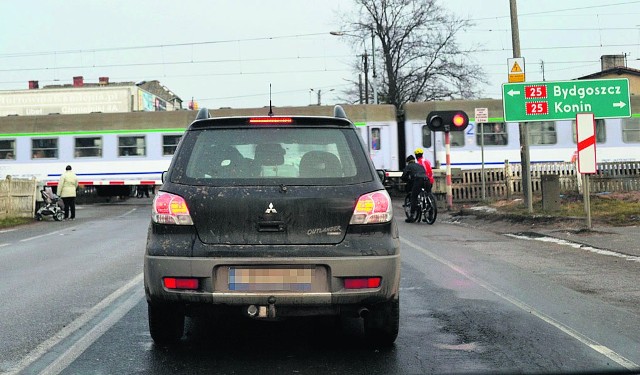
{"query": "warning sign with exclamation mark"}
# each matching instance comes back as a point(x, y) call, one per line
point(516, 69)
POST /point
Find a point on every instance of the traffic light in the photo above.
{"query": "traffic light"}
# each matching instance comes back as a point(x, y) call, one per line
point(443, 121)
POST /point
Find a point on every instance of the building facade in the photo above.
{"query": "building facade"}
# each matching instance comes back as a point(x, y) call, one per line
point(81, 97)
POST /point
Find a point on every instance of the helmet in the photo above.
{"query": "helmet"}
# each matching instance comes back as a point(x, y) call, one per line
point(410, 158)
point(418, 151)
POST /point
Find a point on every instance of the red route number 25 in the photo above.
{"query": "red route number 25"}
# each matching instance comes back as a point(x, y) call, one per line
point(537, 108)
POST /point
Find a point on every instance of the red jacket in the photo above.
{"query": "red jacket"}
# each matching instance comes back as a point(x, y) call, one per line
point(427, 167)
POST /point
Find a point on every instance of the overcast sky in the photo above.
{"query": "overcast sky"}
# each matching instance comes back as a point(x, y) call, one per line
point(225, 53)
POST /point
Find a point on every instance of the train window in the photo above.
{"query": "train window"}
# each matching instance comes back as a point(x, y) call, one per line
point(601, 134)
point(8, 149)
point(426, 137)
point(46, 148)
point(88, 147)
point(169, 144)
point(456, 139)
point(375, 138)
point(542, 133)
point(132, 146)
point(495, 134)
point(631, 130)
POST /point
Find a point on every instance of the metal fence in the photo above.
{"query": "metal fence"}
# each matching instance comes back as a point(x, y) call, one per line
point(17, 197)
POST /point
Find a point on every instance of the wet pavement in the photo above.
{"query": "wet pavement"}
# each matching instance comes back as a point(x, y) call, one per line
point(623, 240)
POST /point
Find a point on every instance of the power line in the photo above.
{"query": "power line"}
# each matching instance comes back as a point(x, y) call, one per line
point(189, 44)
point(224, 61)
point(559, 10)
point(275, 93)
point(559, 29)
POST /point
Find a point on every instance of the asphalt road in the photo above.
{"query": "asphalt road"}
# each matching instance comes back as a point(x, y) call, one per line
point(472, 301)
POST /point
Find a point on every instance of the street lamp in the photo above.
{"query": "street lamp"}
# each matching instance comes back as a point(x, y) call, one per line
point(373, 61)
point(319, 93)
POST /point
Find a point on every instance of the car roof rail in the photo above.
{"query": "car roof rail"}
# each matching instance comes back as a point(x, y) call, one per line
point(203, 114)
point(339, 112)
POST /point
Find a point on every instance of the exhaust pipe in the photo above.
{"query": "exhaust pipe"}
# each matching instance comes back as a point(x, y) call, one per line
point(363, 312)
point(252, 311)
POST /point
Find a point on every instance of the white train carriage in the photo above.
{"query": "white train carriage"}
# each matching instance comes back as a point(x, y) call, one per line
point(113, 152)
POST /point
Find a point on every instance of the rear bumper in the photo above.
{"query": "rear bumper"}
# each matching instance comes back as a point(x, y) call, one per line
point(327, 286)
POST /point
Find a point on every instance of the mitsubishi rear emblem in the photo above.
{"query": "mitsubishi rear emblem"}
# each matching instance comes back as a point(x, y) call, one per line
point(271, 210)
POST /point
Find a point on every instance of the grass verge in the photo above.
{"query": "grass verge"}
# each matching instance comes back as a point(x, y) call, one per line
point(610, 209)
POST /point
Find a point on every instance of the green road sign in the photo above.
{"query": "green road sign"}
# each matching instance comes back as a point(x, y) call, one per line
point(562, 100)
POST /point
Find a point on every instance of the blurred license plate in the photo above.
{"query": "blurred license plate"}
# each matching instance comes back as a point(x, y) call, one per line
point(268, 279)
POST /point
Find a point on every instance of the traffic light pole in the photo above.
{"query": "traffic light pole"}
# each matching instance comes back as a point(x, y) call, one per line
point(446, 121)
point(524, 136)
point(447, 149)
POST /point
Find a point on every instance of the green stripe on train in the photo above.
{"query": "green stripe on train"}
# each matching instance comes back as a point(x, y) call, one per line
point(94, 132)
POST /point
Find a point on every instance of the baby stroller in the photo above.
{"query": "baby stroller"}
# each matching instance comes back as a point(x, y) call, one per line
point(52, 205)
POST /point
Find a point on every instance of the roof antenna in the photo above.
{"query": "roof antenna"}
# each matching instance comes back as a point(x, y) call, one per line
point(270, 106)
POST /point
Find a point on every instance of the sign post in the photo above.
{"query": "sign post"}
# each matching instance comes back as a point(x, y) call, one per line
point(482, 117)
point(563, 100)
point(586, 139)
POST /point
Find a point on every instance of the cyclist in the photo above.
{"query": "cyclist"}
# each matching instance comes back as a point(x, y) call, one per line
point(415, 176)
point(427, 167)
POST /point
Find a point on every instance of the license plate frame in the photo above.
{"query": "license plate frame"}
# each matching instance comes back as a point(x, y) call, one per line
point(272, 279)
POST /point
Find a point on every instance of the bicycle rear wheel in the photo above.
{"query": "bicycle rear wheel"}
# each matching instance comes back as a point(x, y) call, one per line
point(432, 209)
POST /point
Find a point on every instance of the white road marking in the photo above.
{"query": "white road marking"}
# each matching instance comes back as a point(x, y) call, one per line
point(73, 352)
point(46, 234)
point(578, 246)
point(127, 213)
point(612, 355)
point(54, 340)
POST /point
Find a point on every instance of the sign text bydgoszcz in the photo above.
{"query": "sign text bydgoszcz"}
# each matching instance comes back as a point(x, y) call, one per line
point(562, 100)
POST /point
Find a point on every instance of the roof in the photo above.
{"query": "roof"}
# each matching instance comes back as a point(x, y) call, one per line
point(619, 70)
point(153, 87)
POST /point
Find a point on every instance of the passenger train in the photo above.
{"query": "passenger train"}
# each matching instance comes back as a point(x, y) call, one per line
point(115, 152)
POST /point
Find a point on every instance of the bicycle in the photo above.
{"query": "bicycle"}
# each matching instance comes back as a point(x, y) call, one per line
point(427, 207)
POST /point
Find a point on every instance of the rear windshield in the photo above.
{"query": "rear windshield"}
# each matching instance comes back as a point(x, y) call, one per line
point(249, 156)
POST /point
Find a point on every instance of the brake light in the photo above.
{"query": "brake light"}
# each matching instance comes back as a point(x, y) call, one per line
point(372, 208)
point(270, 120)
point(180, 283)
point(170, 209)
point(362, 283)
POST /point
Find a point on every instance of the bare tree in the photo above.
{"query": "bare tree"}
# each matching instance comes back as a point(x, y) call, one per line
point(418, 56)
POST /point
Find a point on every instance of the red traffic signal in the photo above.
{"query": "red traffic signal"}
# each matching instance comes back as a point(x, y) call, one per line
point(447, 121)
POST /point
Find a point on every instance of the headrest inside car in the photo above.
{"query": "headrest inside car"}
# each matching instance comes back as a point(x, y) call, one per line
point(269, 154)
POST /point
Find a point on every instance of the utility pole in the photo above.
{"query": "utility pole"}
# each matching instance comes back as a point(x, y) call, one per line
point(365, 61)
point(524, 135)
point(374, 82)
point(360, 86)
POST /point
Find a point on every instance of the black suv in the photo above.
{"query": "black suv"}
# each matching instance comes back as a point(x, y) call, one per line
point(272, 217)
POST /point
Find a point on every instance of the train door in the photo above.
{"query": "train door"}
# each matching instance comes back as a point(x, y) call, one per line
point(418, 135)
point(380, 141)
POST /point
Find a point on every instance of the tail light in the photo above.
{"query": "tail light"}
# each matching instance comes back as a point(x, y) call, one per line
point(372, 208)
point(180, 283)
point(170, 209)
point(362, 283)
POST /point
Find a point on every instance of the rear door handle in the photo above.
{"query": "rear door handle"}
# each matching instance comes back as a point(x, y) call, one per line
point(272, 226)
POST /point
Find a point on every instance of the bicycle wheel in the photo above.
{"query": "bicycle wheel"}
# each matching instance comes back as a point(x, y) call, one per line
point(407, 205)
point(407, 209)
point(432, 209)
